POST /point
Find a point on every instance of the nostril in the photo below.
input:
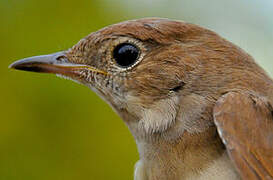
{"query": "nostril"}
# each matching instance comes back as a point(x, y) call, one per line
point(60, 58)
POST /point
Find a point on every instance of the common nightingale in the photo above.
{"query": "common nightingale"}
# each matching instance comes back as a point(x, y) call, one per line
point(198, 106)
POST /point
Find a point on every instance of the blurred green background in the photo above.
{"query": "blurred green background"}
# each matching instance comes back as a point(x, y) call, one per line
point(56, 129)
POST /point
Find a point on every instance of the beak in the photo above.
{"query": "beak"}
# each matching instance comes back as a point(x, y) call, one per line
point(56, 63)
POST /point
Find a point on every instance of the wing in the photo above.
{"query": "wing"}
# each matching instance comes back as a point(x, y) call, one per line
point(245, 125)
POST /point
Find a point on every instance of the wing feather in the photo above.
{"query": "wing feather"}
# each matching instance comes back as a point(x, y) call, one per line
point(245, 125)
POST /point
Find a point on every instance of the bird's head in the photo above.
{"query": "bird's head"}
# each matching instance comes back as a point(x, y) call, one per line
point(153, 72)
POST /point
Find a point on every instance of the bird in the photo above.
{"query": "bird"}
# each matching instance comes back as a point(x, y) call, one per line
point(198, 106)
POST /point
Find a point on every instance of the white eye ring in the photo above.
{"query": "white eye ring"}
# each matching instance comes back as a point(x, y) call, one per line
point(129, 41)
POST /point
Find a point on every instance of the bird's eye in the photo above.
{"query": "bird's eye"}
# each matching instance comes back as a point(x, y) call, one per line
point(126, 54)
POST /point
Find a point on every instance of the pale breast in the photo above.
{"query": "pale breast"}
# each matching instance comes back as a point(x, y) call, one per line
point(221, 168)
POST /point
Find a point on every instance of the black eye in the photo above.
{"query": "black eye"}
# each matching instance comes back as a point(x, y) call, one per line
point(126, 54)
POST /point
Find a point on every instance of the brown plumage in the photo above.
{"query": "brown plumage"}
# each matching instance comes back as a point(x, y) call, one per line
point(178, 87)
